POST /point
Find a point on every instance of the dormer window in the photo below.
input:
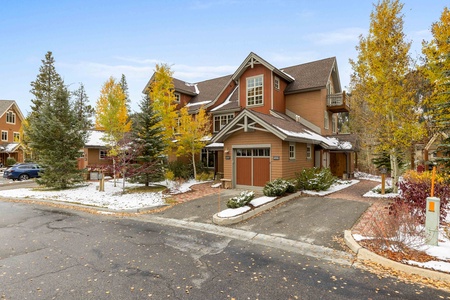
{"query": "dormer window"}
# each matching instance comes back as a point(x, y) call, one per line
point(10, 117)
point(177, 97)
point(255, 91)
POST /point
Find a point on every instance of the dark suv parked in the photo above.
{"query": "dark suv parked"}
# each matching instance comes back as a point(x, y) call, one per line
point(22, 171)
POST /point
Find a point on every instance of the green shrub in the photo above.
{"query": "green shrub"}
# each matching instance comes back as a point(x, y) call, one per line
point(241, 200)
point(279, 187)
point(181, 169)
point(315, 179)
point(10, 161)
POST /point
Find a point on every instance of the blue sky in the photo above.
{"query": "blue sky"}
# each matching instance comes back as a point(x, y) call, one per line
point(92, 40)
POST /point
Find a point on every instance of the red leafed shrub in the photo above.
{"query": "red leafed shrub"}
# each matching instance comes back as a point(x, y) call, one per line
point(414, 194)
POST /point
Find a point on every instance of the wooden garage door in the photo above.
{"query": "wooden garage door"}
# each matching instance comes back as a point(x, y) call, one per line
point(252, 166)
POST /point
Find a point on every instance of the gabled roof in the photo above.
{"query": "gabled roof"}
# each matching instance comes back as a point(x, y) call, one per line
point(6, 105)
point(9, 147)
point(252, 59)
point(95, 139)
point(281, 126)
point(313, 75)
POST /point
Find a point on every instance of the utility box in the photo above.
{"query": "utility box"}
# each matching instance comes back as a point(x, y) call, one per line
point(432, 220)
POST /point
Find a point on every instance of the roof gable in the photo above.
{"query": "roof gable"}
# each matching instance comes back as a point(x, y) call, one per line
point(6, 105)
point(253, 59)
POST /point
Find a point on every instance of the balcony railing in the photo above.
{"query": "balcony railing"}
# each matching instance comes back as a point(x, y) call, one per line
point(338, 102)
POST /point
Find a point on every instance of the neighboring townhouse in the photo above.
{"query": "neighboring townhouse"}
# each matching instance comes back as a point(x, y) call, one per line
point(94, 154)
point(272, 123)
point(11, 119)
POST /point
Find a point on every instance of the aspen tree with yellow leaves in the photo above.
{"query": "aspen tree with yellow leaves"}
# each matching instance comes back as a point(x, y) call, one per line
point(437, 71)
point(161, 92)
point(193, 132)
point(380, 82)
point(112, 117)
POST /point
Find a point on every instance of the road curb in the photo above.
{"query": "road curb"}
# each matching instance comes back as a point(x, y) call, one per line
point(366, 255)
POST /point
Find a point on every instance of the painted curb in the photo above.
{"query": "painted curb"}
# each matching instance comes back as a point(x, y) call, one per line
point(247, 215)
point(364, 254)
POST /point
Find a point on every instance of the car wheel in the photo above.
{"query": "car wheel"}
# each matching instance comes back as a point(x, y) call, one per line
point(24, 177)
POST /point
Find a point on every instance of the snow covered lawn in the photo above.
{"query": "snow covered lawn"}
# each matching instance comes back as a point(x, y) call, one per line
point(112, 198)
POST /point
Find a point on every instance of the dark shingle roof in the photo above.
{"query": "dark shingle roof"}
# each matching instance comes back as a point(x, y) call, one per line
point(4, 105)
point(210, 89)
point(310, 75)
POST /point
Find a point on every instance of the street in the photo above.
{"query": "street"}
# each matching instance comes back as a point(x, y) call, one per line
point(48, 253)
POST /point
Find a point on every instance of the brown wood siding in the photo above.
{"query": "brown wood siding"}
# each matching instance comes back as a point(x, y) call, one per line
point(244, 175)
point(267, 87)
point(93, 157)
point(291, 167)
point(261, 171)
point(278, 95)
point(310, 106)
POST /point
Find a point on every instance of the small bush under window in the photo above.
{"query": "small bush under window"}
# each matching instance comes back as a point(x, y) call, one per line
point(315, 179)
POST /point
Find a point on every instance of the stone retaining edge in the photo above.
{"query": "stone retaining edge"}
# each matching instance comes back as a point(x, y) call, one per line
point(364, 254)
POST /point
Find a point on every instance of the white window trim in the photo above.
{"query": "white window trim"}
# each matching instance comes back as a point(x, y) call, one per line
point(308, 151)
point(276, 83)
point(291, 153)
point(326, 121)
point(5, 131)
point(14, 136)
point(220, 119)
point(14, 117)
point(177, 97)
point(100, 154)
point(262, 90)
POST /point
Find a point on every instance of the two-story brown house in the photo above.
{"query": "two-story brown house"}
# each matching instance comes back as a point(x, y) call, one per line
point(271, 123)
point(10, 123)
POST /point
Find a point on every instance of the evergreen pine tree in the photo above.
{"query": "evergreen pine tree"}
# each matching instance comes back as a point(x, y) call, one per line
point(148, 141)
point(124, 85)
point(57, 136)
point(82, 107)
point(47, 83)
point(56, 129)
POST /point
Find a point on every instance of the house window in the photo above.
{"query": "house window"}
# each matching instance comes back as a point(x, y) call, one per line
point(255, 90)
point(330, 89)
point(326, 121)
point(4, 135)
point(177, 97)
point(291, 150)
point(16, 137)
point(103, 154)
point(208, 158)
point(308, 151)
point(176, 129)
point(276, 83)
point(221, 121)
point(10, 117)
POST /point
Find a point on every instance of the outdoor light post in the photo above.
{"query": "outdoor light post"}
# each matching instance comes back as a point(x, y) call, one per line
point(432, 215)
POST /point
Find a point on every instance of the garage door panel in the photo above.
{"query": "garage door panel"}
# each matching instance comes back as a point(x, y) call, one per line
point(244, 171)
point(261, 171)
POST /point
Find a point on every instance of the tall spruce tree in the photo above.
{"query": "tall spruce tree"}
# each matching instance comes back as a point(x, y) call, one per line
point(147, 135)
point(57, 135)
point(54, 129)
point(82, 107)
point(47, 83)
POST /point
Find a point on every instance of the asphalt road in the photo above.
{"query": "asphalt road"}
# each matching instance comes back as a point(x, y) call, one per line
point(48, 253)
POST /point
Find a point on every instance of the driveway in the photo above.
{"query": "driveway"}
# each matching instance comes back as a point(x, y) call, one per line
point(315, 220)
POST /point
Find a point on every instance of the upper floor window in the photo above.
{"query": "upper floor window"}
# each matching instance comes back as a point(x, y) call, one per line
point(220, 121)
point(16, 137)
point(326, 121)
point(255, 90)
point(334, 125)
point(276, 83)
point(177, 97)
point(176, 129)
point(10, 117)
point(4, 135)
point(330, 89)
